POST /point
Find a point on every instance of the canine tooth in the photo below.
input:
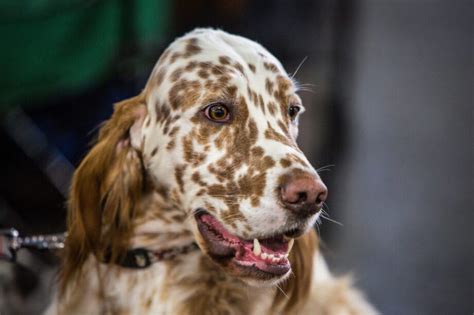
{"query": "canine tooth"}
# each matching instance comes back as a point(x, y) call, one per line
point(264, 255)
point(256, 247)
point(286, 255)
point(290, 245)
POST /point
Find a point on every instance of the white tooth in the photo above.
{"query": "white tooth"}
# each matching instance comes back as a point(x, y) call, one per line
point(256, 247)
point(290, 245)
point(286, 256)
point(275, 259)
point(264, 255)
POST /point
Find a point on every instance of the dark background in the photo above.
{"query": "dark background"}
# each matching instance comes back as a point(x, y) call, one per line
point(390, 113)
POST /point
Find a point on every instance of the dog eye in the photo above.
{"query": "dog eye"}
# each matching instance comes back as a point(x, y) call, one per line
point(217, 112)
point(293, 110)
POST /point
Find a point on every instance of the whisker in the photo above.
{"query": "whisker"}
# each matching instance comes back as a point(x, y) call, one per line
point(331, 220)
point(325, 168)
point(318, 223)
point(281, 290)
point(307, 85)
point(298, 68)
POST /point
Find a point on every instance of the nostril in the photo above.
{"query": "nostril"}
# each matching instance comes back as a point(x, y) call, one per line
point(319, 202)
point(321, 198)
point(302, 197)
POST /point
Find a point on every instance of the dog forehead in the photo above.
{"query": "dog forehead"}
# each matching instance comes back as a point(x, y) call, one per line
point(214, 44)
point(217, 51)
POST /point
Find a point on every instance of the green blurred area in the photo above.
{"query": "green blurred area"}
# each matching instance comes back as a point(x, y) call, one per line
point(52, 47)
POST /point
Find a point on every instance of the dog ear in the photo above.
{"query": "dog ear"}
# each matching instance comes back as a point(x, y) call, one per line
point(295, 290)
point(105, 191)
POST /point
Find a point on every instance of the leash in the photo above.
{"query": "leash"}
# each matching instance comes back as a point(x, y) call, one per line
point(137, 258)
point(11, 242)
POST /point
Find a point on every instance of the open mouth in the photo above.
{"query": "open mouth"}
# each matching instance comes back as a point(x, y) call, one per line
point(264, 258)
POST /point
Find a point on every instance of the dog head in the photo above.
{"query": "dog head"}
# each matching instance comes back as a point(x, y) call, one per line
point(220, 138)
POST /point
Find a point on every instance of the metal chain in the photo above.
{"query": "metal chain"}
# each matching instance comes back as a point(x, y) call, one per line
point(11, 242)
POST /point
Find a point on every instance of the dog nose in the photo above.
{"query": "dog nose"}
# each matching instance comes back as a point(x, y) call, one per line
point(304, 195)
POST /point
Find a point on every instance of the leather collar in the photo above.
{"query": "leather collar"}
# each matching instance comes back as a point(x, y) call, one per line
point(141, 258)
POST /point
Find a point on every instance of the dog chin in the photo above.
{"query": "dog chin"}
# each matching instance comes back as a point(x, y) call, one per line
point(259, 283)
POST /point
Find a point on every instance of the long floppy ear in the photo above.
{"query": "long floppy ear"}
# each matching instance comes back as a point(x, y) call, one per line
point(298, 286)
point(105, 191)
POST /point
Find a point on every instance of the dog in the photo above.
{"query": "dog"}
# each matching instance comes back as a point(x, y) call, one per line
point(196, 199)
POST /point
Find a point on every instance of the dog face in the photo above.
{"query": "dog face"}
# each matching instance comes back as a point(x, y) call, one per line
point(219, 140)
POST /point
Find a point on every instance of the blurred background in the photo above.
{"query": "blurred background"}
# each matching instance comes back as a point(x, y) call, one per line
point(390, 115)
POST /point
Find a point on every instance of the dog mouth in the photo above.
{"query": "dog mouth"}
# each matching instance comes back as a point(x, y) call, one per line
point(265, 258)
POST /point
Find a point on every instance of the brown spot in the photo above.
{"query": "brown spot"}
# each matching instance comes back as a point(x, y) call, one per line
point(283, 128)
point(205, 64)
point(162, 112)
point(285, 163)
point(196, 177)
point(185, 93)
point(261, 102)
point(191, 66)
point(224, 60)
point(188, 149)
point(171, 144)
point(254, 98)
point(239, 68)
point(178, 174)
point(250, 93)
point(272, 108)
point(272, 134)
point(230, 91)
point(160, 76)
point(176, 74)
point(203, 74)
point(175, 56)
point(192, 48)
point(174, 131)
point(154, 151)
point(257, 151)
point(269, 86)
point(295, 158)
point(219, 70)
point(270, 67)
point(252, 67)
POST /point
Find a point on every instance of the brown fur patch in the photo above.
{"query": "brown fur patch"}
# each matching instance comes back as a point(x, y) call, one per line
point(106, 188)
point(252, 68)
point(192, 48)
point(272, 134)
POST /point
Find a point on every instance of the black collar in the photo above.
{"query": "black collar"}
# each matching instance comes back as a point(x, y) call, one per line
point(141, 258)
